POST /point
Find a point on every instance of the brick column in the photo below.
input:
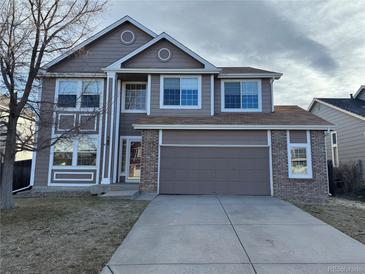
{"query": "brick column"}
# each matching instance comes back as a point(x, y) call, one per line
point(307, 190)
point(149, 161)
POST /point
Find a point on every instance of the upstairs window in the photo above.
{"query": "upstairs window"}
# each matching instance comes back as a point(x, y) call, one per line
point(134, 97)
point(67, 93)
point(241, 96)
point(180, 92)
point(78, 94)
point(90, 94)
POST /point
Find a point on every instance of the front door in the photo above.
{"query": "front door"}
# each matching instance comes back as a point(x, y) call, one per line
point(131, 150)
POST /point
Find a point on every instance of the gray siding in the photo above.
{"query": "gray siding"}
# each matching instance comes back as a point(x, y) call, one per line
point(210, 137)
point(155, 100)
point(102, 52)
point(44, 135)
point(126, 124)
point(149, 58)
point(350, 134)
point(266, 95)
point(298, 136)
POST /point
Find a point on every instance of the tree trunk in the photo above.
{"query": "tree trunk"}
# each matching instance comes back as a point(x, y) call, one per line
point(6, 184)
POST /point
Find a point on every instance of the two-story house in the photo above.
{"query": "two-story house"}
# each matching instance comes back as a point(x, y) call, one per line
point(346, 142)
point(174, 123)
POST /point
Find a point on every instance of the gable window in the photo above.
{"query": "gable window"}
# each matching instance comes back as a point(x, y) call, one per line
point(134, 97)
point(78, 94)
point(180, 92)
point(334, 148)
point(299, 159)
point(241, 95)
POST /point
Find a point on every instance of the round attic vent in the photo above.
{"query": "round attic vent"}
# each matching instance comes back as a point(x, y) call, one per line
point(127, 37)
point(164, 54)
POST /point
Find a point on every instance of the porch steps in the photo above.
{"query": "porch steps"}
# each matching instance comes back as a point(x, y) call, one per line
point(121, 194)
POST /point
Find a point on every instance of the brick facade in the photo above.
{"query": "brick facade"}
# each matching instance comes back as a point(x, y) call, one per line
point(306, 190)
point(149, 161)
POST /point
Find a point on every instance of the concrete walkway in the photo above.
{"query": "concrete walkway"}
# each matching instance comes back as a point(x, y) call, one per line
point(233, 234)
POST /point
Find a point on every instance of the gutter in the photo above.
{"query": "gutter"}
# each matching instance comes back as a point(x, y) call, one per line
point(233, 127)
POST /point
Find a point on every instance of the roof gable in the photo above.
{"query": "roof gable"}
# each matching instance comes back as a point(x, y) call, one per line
point(360, 93)
point(353, 107)
point(163, 36)
point(100, 34)
point(149, 58)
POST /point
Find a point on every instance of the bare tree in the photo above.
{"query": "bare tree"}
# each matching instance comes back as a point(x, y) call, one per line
point(30, 32)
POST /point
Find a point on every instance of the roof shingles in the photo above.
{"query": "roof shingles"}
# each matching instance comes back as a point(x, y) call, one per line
point(283, 115)
point(356, 106)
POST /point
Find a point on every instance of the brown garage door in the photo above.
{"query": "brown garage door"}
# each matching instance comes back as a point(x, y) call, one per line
point(210, 170)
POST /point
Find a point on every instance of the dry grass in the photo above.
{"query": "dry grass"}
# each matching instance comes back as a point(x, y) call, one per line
point(343, 214)
point(64, 234)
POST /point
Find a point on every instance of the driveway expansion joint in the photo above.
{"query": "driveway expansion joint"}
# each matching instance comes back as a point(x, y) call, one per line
point(235, 232)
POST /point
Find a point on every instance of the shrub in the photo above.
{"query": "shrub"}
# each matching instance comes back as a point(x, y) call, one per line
point(349, 176)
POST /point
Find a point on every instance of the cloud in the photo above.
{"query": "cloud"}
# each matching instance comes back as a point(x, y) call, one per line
point(318, 46)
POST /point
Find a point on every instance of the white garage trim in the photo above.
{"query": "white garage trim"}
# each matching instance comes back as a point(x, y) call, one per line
point(270, 162)
point(159, 160)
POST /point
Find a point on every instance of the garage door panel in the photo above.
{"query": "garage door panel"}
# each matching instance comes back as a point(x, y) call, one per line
point(209, 170)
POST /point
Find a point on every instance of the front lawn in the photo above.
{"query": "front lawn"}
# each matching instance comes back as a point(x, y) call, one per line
point(64, 234)
point(344, 214)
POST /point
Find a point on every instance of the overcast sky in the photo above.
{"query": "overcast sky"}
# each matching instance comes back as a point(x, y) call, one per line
point(319, 46)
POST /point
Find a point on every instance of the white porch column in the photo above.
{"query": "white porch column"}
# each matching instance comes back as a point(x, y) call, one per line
point(109, 131)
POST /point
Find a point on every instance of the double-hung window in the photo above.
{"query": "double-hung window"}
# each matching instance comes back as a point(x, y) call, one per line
point(134, 97)
point(67, 93)
point(299, 158)
point(73, 152)
point(78, 94)
point(334, 147)
point(241, 95)
point(90, 94)
point(180, 92)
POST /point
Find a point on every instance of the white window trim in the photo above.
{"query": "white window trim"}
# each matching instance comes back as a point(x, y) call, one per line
point(162, 77)
point(337, 162)
point(307, 146)
point(259, 109)
point(65, 114)
point(88, 115)
point(78, 94)
point(124, 110)
point(128, 139)
point(75, 145)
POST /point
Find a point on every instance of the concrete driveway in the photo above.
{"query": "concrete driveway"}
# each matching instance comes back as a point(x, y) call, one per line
point(233, 234)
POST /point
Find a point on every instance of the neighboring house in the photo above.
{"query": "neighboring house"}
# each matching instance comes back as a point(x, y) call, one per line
point(23, 129)
point(174, 123)
point(346, 143)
